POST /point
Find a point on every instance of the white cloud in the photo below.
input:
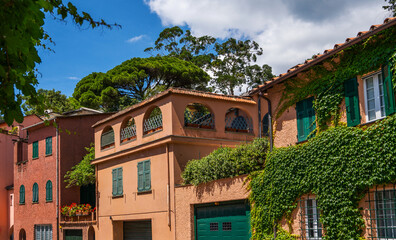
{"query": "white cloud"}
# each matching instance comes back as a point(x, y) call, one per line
point(135, 39)
point(289, 31)
point(73, 78)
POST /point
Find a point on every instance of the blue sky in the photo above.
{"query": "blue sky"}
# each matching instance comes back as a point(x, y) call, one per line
point(289, 31)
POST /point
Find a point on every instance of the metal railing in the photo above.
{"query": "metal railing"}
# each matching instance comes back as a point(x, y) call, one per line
point(107, 139)
point(198, 120)
point(128, 133)
point(152, 124)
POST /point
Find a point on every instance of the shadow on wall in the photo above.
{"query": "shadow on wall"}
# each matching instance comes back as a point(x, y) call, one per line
point(219, 186)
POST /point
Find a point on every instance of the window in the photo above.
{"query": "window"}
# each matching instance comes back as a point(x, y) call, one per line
point(48, 146)
point(385, 206)
point(352, 102)
point(265, 125)
point(144, 176)
point(107, 138)
point(305, 119)
point(35, 150)
point(48, 191)
point(313, 227)
point(43, 232)
point(374, 96)
point(35, 193)
point(22, 194)
point(117, 182)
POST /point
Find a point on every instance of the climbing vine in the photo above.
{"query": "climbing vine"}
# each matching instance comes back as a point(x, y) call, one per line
point(338, 166)
point(330, 75)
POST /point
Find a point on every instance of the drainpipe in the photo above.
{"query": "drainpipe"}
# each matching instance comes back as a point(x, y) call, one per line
point(269, 120)
point(57, 179)
point(259, 114)
point(168, 186)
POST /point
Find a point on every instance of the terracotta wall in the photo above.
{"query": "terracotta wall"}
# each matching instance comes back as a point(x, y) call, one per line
point(217, 191)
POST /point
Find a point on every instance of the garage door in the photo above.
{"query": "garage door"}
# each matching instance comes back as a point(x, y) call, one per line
point(73, 234)
point(137, 230)
point(228, 222)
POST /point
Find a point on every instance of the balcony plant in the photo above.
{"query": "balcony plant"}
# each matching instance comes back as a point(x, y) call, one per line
point(75, 209)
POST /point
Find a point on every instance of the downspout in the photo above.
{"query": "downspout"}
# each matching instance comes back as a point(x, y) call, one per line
point(168, 186)
point(270, 134)
point(259, 114)
point(57, 179)
point(269, 120)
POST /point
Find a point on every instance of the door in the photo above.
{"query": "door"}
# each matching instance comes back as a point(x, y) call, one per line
point(73, 234)
point(43, 232)
point(223, 222)
point(137, 230)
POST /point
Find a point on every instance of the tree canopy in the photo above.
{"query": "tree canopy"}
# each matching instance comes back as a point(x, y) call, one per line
point(230, 60)
point(52, 100)
point(391, 7)
point(84, 172)
point(136, 79)
point(21, 32)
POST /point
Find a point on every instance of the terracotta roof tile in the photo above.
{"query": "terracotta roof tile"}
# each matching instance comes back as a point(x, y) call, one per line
point(352, 40)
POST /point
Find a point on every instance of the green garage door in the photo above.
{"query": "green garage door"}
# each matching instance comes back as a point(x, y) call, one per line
point(228, 222)
point(73, 234)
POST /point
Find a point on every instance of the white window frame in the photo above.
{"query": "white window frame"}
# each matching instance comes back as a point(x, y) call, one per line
point(315, 220)
point(376, 213)
point(377, 76)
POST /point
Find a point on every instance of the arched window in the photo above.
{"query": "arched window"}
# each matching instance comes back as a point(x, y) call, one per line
point(22, 194)
point(265, 125)
point(35, 193)
point(22, 234)
point(48, 191)
point(107, 138)
point(198, 116)
point(238, 121)
point(153, 121)
point(128, 130)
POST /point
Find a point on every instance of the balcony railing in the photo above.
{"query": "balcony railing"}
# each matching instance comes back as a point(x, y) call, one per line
point(152, 124)
point(198, 120)
point(239, 124)
point(128, 133)
point(79, 218)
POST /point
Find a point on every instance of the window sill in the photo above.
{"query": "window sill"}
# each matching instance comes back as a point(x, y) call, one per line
point(48, 155)
point(105, 149)
point(129, 141)
point(35, 158)
point(21, 203)
point(117, 196)
point(243, 133)
point(48, 201)
point(144, 192)
point(302, 141)
point(372, 121)
point(35, 202)
point(149, 134)
point(200, 128)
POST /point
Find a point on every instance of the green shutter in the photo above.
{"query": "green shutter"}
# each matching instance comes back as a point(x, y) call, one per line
point(35, 149)
point(305, 119)
point(389, 94)
point(48, 146)
point(48, 191)
point(140, 176)
point(22, 195)
point(147, 175)
point(301, 136)
point(119, 181)
point(114, 172)
point(352, 102)
point(35, 193)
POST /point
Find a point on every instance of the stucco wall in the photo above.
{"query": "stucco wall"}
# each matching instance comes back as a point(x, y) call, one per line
point(217, 191)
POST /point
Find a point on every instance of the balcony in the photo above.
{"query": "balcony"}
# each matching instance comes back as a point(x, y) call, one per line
point(78, 214)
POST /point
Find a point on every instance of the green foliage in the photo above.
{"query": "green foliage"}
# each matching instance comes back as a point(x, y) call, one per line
point(21, 32)
point(232, 67)
point(83, 173)
point(330, 76)
point(391, 7)
point(52, 100)
point(281, 234)
point(175, 42)
point(227, 162)
point(338, 166)
point(137, 79)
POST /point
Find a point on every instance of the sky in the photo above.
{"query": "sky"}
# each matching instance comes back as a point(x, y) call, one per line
point(289, 31)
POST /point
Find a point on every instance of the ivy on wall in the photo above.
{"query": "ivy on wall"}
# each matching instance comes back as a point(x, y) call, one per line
point(338, 166)
point(226, 162)
point(329, 76)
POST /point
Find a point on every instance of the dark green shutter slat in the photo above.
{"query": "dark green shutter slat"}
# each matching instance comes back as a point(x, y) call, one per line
point(140, 176)
point(389, 95)
point(35, 149)
point(48, 196)
point(300, 121)
point(305, 119)
point(119, 182)
point(147, 175)
point(35, 192)
point(352, 102)
point(48, 146)
point(114, 174)
point(22, 194)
